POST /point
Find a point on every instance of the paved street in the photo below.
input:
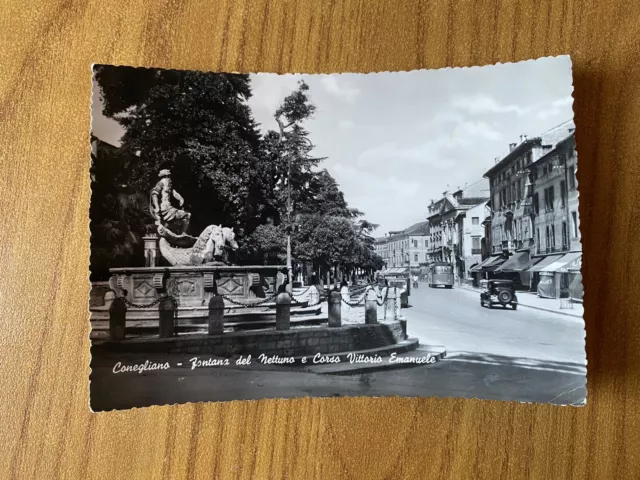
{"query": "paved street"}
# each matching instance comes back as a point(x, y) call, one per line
point(454, 318)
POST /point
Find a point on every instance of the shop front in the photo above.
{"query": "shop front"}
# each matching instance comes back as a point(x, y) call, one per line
point(516, 268)
point(543, 283)
point(555, 278)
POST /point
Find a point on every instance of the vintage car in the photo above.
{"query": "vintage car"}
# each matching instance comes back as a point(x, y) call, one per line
point(498, 292)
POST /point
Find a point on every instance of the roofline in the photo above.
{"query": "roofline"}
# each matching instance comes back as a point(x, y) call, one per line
point(513, 153)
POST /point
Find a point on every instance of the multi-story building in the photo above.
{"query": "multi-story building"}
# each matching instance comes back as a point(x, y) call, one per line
point(405, 248)
point(554, 210)
point(519, 182)
point(457, 230)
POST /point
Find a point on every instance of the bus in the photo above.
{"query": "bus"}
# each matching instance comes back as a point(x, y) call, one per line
point(440, 274)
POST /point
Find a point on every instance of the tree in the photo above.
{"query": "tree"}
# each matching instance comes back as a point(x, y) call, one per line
point(265, 245)
point(199, 125)
point(118, 215)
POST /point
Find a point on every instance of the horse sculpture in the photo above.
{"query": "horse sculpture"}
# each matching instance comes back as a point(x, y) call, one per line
point(176, 246)
point(209, 248)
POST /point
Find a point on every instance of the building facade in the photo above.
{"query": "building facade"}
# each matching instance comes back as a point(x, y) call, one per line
point(456, 225)
point(534, 204)
point(555, 199)
point(556, 219)
point(512, 223)
point(405, 248)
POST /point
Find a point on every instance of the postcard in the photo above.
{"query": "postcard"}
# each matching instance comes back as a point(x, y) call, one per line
point(409, 234)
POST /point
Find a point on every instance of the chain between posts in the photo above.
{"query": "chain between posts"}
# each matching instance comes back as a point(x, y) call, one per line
point(353, 304)
point(174, 304)
point(249, 304)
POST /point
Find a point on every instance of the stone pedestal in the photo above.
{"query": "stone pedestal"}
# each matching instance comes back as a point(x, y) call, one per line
point(283, 311)
point(371, 308)
point(390, 305)
point(117, 319)
point(335, 303)
point(167, 310)
point(151, 255)
point(216, 315)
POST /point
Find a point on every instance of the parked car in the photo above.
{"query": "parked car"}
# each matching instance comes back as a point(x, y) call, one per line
point(499, 292)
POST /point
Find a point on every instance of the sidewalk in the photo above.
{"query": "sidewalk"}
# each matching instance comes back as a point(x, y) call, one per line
point(531, 300)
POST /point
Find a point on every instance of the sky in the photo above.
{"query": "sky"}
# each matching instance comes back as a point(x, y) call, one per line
point(395, 141)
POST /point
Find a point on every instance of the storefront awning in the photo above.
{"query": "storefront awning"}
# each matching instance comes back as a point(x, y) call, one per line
point(396, 271)
point(476, 268)
point(548, 260)
point(492, 263)
point(563, 263)
point(485, 263)
point(518, 262)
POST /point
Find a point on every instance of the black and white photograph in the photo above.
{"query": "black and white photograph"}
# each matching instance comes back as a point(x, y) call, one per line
point(412, 234)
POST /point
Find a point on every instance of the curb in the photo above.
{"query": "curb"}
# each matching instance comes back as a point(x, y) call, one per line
point(520, 304)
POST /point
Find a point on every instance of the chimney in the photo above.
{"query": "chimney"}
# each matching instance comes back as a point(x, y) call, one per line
point(512, 146)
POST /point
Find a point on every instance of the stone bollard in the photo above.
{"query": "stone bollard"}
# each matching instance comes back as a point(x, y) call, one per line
point(109, 297)
point(117, 319)
point(283, 311)
point(346, 296)
point(371, 308)
point(216, 315)
point(390, 305)
point(335, 303)
point(314, 295)
point(399, 298)
point(167, 310)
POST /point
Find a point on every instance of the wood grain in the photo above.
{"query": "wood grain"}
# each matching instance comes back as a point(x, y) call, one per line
point(47, 430)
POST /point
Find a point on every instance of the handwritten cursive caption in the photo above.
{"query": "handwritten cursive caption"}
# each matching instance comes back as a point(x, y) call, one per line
point(262, 359)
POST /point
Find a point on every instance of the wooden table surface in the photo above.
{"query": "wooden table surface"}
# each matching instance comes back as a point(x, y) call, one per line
point(47, 431)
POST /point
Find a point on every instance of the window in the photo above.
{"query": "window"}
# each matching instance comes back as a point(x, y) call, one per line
point(538, 237)
point(548, 199)
point(519, 229)
point(563, 192)
point(565, 236)
point(475, 243)
point(536, 203)
point(548, 238)
point(553, 236)
point(426, 244)
point(572, 178)
point(475, 220)
point(415, 257)
point(574, 217)
point(415, 244)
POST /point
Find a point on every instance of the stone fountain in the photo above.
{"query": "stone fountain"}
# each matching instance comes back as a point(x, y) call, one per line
point(192, 269)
